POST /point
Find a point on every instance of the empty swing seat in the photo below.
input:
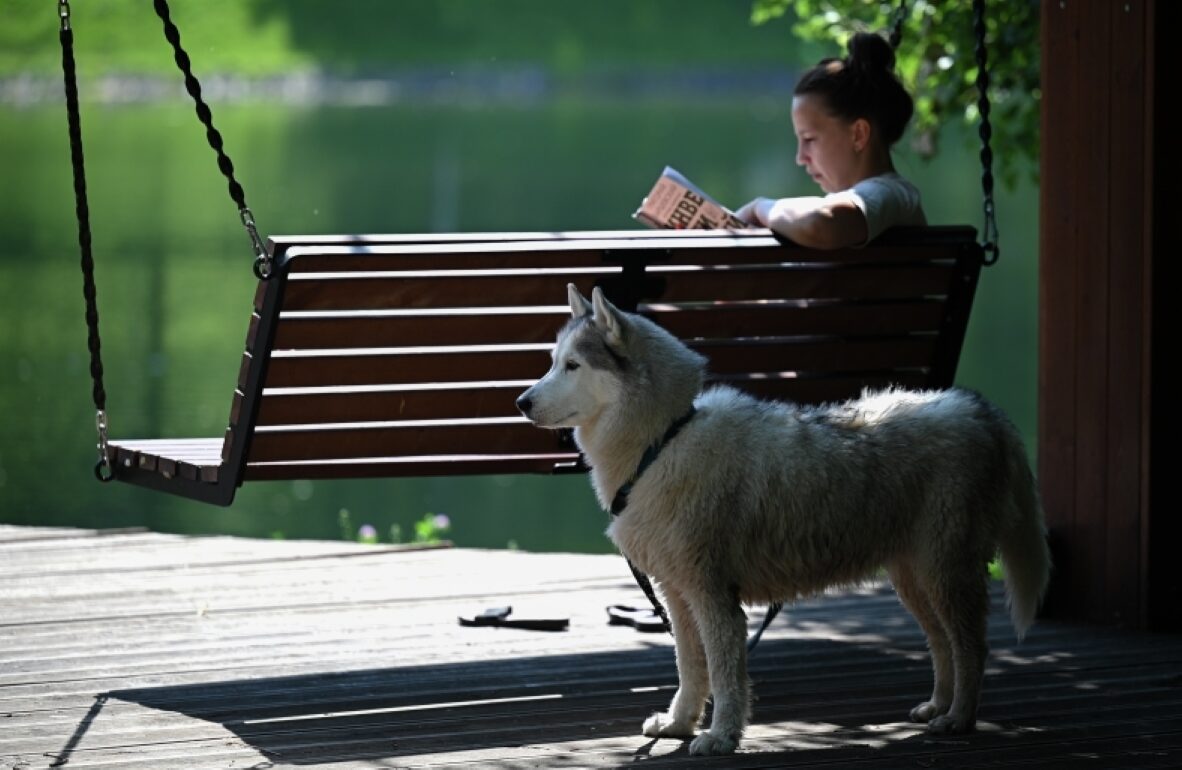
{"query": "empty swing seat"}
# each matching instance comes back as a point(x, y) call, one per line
point(371, 356)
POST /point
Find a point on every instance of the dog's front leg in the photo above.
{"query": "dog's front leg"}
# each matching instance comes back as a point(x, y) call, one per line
point(724, 628)
point(681, 720)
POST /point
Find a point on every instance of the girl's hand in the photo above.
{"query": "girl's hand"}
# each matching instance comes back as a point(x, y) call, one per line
point(755, 212)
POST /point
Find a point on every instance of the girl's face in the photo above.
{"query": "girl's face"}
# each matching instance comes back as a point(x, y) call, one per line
point(828, 147)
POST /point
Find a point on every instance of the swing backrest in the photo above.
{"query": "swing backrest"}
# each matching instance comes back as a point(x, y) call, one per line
point(403, 355)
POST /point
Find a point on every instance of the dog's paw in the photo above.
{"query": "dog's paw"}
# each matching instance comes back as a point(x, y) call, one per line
point(662, 725)
point(947, 724)
point(711, 744)
point(927, 711)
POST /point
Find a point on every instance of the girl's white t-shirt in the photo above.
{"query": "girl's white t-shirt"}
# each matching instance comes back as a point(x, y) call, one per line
point(885, 200)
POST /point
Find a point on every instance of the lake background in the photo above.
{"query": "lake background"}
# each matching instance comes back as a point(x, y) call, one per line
point(423, 117)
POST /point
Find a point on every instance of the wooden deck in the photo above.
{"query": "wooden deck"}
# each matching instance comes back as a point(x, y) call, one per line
point(146, 650)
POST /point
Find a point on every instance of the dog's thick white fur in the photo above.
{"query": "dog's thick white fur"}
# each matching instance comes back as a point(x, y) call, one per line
point(758, 501)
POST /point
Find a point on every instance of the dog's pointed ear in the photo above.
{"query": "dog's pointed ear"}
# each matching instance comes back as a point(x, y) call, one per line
point(579, 306)
point(607, 317)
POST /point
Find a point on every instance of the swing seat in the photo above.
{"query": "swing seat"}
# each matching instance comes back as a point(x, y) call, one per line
point(376, 356)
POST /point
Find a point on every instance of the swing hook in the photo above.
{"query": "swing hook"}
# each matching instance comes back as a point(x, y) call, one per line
point(262, 258)
point(100, 424)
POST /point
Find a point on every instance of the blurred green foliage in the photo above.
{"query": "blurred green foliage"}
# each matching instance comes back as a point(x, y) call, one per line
point(271, 37)
point(936, 58)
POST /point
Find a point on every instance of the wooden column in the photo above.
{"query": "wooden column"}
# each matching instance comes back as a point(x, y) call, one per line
point(1097, 247)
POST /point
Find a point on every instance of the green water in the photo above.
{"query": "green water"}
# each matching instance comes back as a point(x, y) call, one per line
point(174, 278)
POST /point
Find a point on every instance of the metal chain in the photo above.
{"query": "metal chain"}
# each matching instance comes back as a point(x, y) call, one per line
point(102, 469)
point(896, 35)
point(990, 244)
point(262, 262)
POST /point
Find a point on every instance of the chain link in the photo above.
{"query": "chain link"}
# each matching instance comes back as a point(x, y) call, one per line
point(262, 262)
point(102, 469)
point(990, 244)
point(900, 15)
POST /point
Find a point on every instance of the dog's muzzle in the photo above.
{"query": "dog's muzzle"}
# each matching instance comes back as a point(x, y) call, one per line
point(525, 404)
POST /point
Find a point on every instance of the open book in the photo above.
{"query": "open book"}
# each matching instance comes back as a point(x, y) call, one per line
point(677, 203)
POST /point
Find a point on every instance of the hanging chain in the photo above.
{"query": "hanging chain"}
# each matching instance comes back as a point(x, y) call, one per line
point(102, 469)
point(990, 244)
point(900, 15)
point(262, 261)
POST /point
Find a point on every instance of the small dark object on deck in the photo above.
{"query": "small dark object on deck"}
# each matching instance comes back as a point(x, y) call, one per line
point(499, 616)
point(643, 619)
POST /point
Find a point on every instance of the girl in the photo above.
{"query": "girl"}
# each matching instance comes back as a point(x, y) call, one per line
point(847, 113)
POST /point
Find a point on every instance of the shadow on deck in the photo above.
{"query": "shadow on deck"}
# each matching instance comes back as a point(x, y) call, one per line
point(146, 650)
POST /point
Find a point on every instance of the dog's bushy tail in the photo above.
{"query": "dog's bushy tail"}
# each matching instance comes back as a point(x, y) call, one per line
point(1025, 555)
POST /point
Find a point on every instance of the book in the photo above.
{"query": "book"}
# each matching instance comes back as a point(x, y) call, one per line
point(677, 203)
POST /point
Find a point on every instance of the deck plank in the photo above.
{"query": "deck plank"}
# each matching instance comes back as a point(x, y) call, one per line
point(146, 650)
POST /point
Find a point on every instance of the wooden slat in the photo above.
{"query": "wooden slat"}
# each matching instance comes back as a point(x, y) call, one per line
point(437, 288)
point(1074, 305)
point(589, 248)
point(406, 366)
point(326, 405)
point(419, 466)
point(281, 243)
point(425, 365)
point(540, 325)
point(191, 459)
point(823, 355)
point(321, 442)
point(480, 327)
point(442, 327)
point(589, 252)
point(196, 450)
point(909, 237)
point(500, 288)
point(783, 319)
point(425, 251)
point(340, 404)
point(803, 282)
point(1130, 271)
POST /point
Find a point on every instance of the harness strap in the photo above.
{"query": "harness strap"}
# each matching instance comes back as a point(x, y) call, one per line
point(620, 502)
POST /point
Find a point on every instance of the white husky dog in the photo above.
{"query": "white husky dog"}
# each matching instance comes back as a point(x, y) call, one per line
point(750, 501)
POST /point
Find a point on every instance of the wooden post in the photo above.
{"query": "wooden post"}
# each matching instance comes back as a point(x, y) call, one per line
point(1096, 315)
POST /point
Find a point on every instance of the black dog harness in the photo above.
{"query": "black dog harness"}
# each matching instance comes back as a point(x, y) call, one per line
point(620, 502)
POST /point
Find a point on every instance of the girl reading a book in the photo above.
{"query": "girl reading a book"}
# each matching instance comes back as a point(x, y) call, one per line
point(847, 114)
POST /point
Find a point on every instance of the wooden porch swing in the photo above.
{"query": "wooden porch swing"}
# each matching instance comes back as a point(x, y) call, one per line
point(402, 355)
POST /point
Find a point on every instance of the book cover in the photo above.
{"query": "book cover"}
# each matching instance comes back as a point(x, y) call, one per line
point(677, 203)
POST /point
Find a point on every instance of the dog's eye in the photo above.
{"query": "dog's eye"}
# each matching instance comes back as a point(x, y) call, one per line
point(571, 365)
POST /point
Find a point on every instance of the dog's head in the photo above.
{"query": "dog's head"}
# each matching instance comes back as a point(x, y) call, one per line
point(607, 358)
point(587, 361)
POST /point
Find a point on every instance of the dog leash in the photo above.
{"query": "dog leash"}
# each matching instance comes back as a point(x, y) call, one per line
point(620, 502)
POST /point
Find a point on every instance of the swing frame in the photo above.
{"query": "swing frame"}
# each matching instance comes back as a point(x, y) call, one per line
point(343, 377)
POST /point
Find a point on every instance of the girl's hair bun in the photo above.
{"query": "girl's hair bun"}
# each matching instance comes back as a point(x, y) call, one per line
point(870, 54)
